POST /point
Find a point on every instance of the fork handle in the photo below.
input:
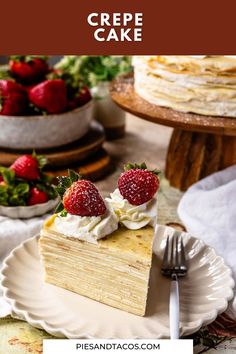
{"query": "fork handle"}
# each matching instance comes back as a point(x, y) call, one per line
point(174, 309)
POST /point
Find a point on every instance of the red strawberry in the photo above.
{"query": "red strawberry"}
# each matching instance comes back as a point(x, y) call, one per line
point(26, 167)
point(1, 178)
point(13, 98)
point(28, 69)
point(82, 198)
point(29, 87)
point(49, 95)
point(37, 197)
point(71, 104)
point(83, 96)
point(137, 184)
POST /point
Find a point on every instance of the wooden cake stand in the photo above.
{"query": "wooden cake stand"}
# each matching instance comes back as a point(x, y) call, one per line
point(86, 156)
point(199, 146)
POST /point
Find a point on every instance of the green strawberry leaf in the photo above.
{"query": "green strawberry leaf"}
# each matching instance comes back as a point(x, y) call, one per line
point(15, 200)
point(142, 166)
point(74, 176)
point(65, 182)
point(48, 189)
point(59, 208)
point(42, 160)
point(3, 201)
point(52, 193)
point(22, 189)
point(156, 172)
point(128, 166)
point(42, 187)
point(8, 175)
point(46, 178)
point(64, 213)
point(60, 191)
point(3, 195)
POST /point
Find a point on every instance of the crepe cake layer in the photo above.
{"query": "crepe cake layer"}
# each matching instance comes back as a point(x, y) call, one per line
point(204, 85)
point(115, 271)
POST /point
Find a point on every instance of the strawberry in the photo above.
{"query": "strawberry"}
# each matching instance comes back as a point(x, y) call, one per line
point(49, 95)
point(71, 104)
point(137, 184)
point(37, 196)
point(26, 167)
point(79, 197)
point(13, 98)
point(83, 96)
point(29, 87)
point(1, 178)
point(79, 99)
point(82, 198)
point(28, 69)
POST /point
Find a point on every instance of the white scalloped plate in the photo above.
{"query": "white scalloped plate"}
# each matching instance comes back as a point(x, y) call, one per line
point(204, 293)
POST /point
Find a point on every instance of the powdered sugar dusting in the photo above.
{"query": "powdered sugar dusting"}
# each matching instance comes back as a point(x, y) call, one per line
point(138, 186)
point(83, 199)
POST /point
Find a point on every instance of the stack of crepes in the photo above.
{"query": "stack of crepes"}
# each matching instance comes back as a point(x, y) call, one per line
point(114, 271)
point(201, 84)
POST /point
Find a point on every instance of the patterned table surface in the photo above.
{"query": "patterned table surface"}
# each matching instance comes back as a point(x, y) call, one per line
point(143, 142)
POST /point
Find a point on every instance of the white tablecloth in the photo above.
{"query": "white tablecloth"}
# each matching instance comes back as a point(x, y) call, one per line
point(208, 210)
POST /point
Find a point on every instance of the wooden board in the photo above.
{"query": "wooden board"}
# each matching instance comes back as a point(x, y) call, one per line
point(65, 155)
point(93, 168)
point(123, 94)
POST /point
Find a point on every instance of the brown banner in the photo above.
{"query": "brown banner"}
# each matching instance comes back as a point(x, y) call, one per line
point(169, 27)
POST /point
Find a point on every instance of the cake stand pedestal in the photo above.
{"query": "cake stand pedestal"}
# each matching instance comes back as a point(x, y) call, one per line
point(200, 145)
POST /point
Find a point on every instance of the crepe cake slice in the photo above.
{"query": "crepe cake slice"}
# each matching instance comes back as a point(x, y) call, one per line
point(115, 271)
point(87, 249)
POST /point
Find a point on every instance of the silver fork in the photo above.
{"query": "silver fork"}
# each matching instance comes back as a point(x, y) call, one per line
point(174, 266)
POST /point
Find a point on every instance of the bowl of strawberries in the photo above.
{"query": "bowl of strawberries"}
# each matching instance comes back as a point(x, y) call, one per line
point(41, 107)
point(25, 190)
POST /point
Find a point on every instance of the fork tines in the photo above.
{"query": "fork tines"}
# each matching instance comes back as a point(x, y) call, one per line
point(174, 261)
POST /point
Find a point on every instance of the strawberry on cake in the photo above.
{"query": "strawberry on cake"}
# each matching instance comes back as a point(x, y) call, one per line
point(99, 248)
point(134, 201)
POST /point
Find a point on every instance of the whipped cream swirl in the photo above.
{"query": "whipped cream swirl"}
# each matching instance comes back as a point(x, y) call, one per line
point(88, 228)
point(131, 216)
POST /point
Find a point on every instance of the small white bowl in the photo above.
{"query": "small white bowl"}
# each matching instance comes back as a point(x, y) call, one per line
point(26, 212)
point(48, 131)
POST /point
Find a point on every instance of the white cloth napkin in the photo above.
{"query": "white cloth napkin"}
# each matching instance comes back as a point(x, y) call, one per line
point(12, 233)
point(208, 210)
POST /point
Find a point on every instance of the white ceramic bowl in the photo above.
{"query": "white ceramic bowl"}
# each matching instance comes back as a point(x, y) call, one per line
point(41, 132)
point(26, 212)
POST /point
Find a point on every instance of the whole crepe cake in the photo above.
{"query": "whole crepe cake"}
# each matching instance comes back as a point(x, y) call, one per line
point(201, 84)
point(99, 248)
